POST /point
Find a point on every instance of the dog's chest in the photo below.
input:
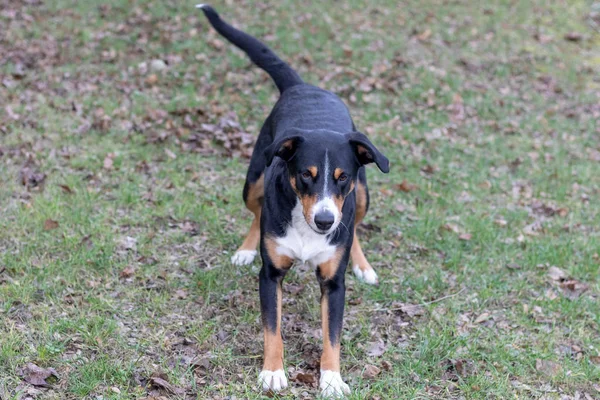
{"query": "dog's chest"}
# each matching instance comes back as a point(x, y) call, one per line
point(302, 243)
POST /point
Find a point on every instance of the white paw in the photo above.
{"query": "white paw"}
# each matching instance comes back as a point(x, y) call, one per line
point(243, 257)
point(368, 276)
point(272, 380)
point(332, 385)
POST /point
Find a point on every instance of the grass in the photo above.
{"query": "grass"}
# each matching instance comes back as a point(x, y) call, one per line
point(488, 114)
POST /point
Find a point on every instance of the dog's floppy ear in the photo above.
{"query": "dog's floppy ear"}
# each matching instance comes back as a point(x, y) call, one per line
point(366, 152)
point(284, 148)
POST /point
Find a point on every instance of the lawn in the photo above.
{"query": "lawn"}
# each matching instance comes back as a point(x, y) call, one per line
point(125, 131)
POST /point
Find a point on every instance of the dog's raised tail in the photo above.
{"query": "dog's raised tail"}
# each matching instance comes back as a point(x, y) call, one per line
point(283, 75)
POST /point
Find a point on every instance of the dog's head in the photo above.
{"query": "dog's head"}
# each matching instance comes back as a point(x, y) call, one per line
point(323, 169)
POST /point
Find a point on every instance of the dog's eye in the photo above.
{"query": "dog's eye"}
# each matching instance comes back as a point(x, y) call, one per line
point(306, 175)
point(343, 178)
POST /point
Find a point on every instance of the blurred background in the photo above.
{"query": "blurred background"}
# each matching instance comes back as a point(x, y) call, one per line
point(125, 132)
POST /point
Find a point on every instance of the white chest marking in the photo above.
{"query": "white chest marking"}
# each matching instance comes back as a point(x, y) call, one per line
point(302, 243)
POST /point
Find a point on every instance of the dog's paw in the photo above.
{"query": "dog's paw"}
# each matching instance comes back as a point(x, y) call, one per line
point(332, 385)
point(272, 380)
point(368, 275)
point(243, 257)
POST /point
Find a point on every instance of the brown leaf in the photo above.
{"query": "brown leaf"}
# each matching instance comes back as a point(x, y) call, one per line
point(160, 383)
point(127, 272)
point(305, 377)
point(376, 349)
point(151, 79)
point(412, 310)
point(573, 288)
point(595, 360)
point(573, 36)
point(547, 367)
point(557, 274)
point(423, 36)
point(181, 294)
point(371, 371)
point(37, 376)
point(465, 236)
point(483, 317)
point(66, 189)
point(108, 162)
point(50, 224)
point(406, 187)
point(31, 178)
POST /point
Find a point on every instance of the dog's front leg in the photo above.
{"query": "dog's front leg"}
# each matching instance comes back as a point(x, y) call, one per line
point(272, 376)
point(333, 292)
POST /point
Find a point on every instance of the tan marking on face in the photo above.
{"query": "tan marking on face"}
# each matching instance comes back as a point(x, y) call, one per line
point(361, 203)
point(256, 192)
point(330, 358)
point(313, 171)
point(279, 261)
point(328, 268)
point(337, 173)
point(339, 199)
point(308, 203)
point(339, 202)
point(273, 351)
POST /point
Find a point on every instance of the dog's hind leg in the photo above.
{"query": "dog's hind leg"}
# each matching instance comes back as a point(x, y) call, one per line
point(361, 267)
point(254, 191)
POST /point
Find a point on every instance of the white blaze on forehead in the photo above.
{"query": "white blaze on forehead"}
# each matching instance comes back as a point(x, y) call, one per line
point(326, 175)
point(326, 202)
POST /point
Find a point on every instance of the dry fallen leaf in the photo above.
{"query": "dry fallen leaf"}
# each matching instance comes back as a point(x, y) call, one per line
point(159, 381)
point(376, 349)
point(66, 189)
point(572, 288)
point(465, 236)
point(406, 187)
point(483, 317)
point(412, 310)
point(573, 36)
point(305, 377)
point(127, 272)
point(557, 274)
point(371, 371)
point(50, 224)
point(108, 162)
point(36, 375)
point(547, 367)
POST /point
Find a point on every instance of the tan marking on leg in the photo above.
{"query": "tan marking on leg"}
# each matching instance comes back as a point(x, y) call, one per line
point(356, 253)
point(330, 358)
point(279, 261)
point(328, 269)
point(273, 357)
point(256, 192)
point(358, 257)
point(313, 171)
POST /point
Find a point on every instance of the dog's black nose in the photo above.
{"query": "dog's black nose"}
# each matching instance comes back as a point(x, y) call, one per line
point(324, 220)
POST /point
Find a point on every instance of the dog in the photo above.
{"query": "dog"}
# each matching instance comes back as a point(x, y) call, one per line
point(307, 188)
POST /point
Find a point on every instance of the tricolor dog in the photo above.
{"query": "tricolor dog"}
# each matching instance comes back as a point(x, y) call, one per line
point(306, 186)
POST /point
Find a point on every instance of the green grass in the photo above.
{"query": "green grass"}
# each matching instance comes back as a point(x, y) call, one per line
point(488, 110)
